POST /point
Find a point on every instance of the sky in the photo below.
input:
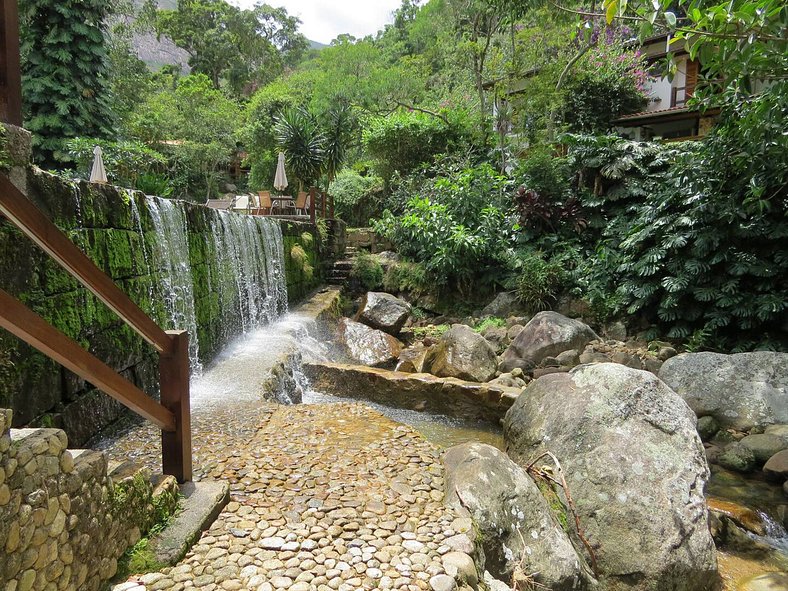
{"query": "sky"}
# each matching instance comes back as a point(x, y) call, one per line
point(323, 20)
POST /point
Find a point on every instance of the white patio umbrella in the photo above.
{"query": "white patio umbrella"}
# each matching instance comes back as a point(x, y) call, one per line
point(280, 179)
point(98, 174)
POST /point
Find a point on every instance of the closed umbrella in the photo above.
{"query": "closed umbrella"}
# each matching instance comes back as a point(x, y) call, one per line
point(98, 174)
point(280, 179)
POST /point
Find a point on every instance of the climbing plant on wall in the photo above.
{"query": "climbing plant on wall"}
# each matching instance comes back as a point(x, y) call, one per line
point(65, 80)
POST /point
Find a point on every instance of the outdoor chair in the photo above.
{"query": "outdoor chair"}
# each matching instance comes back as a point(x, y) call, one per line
point(302, 203)
point(264, 206)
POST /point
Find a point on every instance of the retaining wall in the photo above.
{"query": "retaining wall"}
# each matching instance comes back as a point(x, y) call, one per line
point(63, 521)
point(99, 220)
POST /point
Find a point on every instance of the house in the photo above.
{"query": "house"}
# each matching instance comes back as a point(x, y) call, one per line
point(667, 115)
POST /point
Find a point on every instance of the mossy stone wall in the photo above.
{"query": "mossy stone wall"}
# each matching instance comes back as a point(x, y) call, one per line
point(99, 220)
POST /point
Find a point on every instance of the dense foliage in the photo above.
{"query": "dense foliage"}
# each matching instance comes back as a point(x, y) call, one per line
point(476, 133)
point(65, 75)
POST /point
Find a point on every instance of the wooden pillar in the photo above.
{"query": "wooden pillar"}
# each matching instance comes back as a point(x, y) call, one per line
point(312, 204)
point(323, 204)
point(10, 73)
point(176, 446)
point(330, 205)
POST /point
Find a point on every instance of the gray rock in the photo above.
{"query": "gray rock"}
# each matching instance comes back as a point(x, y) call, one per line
point(496, 336)
point(366, 345)
point(666, 353)
point(383, 311)
point(707, 427)
point(741, 391)
point(513, 518)
point(764, 446)
point(594, 357)
point(737, 457)
point(503, 305)
point(443, 583)
point(636, 469)
point(494, 584)
point(778, 430)
point(568, 358)
point(411, 360)
point(464, 354)
point(627, 359)
point(547, 335)
point(616, 331)
point(513, 331)
point(460, 566)
point(776, 467)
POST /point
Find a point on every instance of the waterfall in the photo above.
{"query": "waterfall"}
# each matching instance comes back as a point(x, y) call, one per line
point(172, 243)
point(250, 271)
point(247, 275)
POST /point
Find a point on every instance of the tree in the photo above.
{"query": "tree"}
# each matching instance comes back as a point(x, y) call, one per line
point(246, 48)
point(339, 125)
point(300, 138)
point(65, 79)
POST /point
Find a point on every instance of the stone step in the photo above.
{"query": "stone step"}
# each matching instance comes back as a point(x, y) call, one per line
point(200, 506)
point(345, 265)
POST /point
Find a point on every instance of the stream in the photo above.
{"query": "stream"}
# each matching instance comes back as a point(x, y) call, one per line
point(239, 375)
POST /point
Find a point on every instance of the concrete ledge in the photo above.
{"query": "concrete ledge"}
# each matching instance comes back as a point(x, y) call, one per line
point(415, 391)
point(202, 503)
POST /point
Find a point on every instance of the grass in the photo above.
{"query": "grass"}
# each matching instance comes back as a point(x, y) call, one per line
point(434, 331)
point(490, 322)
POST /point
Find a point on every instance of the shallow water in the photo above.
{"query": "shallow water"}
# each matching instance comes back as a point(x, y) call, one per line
point(440, 430)
point(239, 375)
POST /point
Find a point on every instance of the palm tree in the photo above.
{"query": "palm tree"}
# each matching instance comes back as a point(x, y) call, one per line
point(300, 138)
point(340, 123)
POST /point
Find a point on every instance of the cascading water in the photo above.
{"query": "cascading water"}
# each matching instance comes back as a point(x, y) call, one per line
point(177, 286)
point(248, 274)
point(250, 271)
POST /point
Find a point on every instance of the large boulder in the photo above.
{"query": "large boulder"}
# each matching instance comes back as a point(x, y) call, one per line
point(548, 334)
point(513, 520)
point(384, 312)
point(504, 304)
point(742, 391)
point(635, 467)
point(462, 353)
point(366, 345)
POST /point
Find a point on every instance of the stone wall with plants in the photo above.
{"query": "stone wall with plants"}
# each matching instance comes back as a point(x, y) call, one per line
point(64, 522)
point(302, 247)
point(99, 220)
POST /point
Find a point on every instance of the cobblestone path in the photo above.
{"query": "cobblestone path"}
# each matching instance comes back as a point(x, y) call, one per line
point(323, 497)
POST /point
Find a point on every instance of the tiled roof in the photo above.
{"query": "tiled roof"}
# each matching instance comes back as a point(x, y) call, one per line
point(642, 114)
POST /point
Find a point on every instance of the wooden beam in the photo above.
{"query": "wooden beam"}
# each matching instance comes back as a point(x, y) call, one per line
point(22, 322)
point(36, 226)
point(10, 73)
point(176, 446)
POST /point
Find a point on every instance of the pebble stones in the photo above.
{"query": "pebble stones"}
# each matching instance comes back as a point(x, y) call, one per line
point(324, 498)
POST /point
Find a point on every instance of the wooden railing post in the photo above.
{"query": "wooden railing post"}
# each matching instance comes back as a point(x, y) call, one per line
point(10, 73)
point(176, 446)
point(312, 204)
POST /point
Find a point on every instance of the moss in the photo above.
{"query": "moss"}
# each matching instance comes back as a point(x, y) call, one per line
point(5, 156)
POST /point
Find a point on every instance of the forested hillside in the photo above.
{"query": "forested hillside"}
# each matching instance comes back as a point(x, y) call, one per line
point(476, 135)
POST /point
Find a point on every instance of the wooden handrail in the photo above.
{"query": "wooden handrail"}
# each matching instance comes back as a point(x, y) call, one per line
point(172, 416)
point(34, 224)
point(36, 332)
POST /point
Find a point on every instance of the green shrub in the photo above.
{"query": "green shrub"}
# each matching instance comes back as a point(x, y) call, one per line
point(457, 228)
point(307, 239)
point(535, 281)
point(406, 276)
point(693, 236)
point(125, 161)
point(403, 140)
point(356, 197)
point(368, 271)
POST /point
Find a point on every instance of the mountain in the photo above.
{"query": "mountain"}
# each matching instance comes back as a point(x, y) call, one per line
point(316, 44)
